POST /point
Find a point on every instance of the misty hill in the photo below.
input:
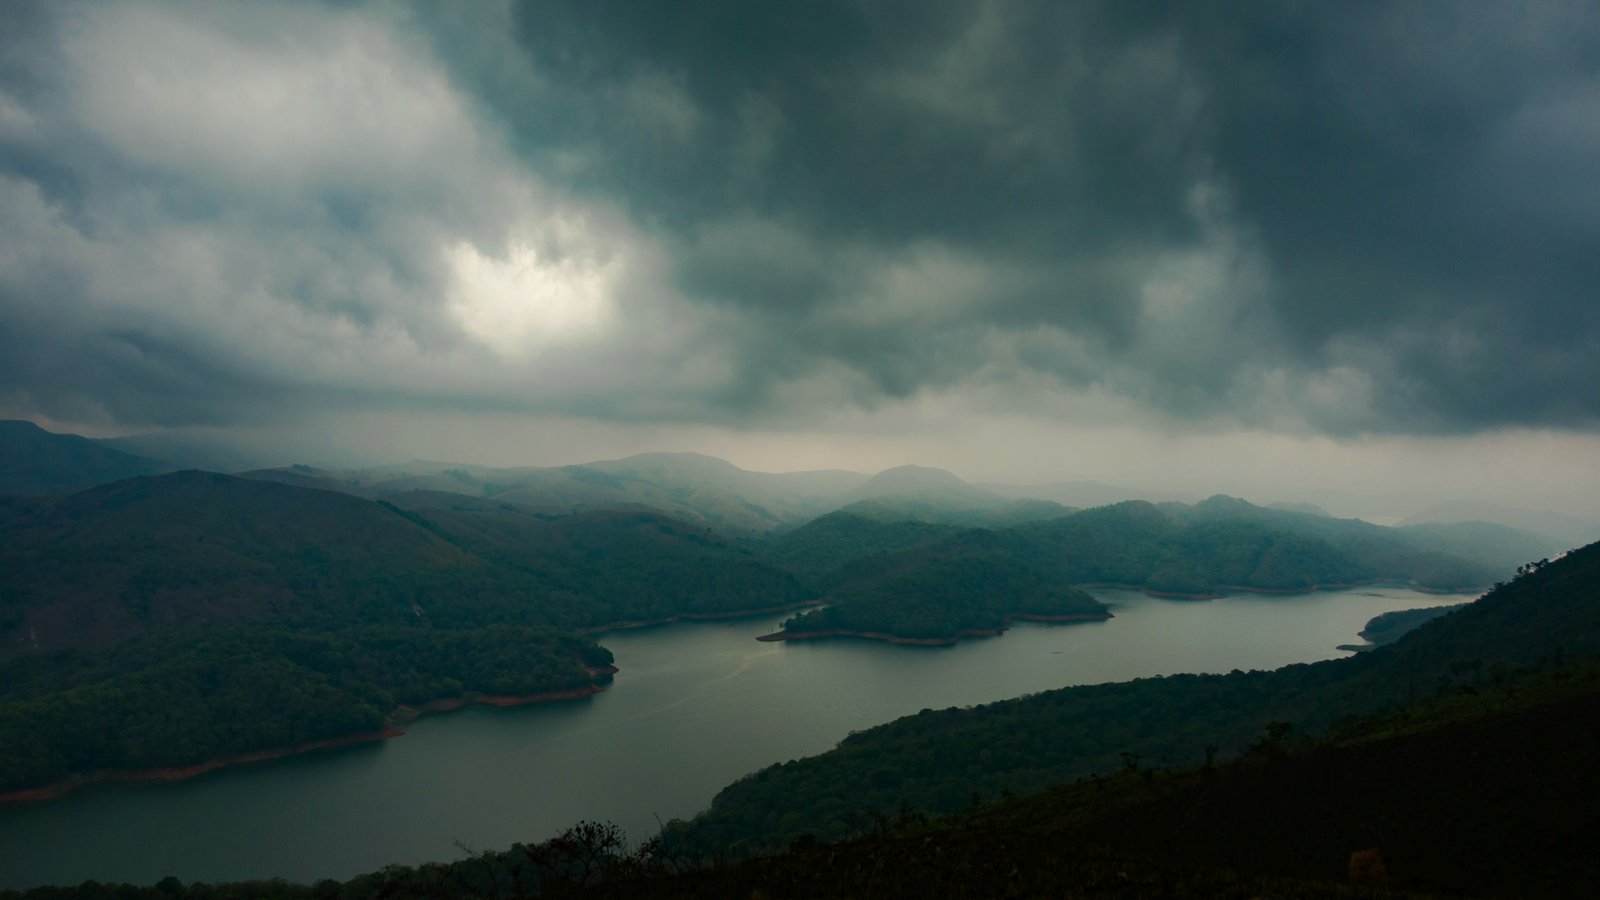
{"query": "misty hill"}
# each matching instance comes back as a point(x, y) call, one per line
point(1496, 550)
point(971, 583)
point(1310, 509)
point(1085, 494)
point(1569, 531)
point(905, 579)
point(199, 448)
point(35, 461)
point(1487, 542)
point(993, 513)
point(921, 494)
point(935, 485)
point(686, 486)
point(827, 543)
point(694, 488)
point(894, 574)
point(300, 475)
point(939, 759)
point(1223, 543)
point(699, 488)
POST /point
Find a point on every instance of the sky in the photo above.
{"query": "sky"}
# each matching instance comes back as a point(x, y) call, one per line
point(1264, 248)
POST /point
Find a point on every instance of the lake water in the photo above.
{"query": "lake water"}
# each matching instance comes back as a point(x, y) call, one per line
point(694, 707)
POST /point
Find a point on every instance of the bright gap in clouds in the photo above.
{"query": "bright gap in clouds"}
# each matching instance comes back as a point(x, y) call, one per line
point(524, 300)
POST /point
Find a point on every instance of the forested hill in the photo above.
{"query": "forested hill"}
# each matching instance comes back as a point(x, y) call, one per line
point(197, 548)
point(972, 583)
point(169, 620)
point(822, 547)
point(608, 566)
point(927, 581)
point(1481, 793)
point(1204, 549)
point(1494, 546)
point(937, 761)
point(1225, 543)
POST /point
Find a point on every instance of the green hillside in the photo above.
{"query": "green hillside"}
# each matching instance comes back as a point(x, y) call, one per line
point(602, 567)
point(1223, 543)
point(181, 698)
point(908, 578)
point(194, 548)
point(967, 584)
point(817, 549)
point(166, 620)
point(937, 760)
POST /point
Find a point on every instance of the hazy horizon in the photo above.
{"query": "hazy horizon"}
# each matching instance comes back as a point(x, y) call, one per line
point(1409, 490)
point(1284, 253)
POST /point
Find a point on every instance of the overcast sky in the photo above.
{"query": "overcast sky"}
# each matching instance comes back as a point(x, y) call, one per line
point(1247, 248)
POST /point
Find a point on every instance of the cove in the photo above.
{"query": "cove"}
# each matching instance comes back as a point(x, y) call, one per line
point(695, 706)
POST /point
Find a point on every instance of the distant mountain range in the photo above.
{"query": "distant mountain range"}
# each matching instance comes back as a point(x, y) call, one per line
point(161, 618)
point(688, 486)
point(212, 593)
point(1565, 529)
point(189, 548)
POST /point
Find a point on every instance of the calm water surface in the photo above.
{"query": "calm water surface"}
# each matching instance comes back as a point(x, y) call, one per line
point(694, 707)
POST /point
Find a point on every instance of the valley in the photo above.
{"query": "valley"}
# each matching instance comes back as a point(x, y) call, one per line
point(693, 707)
point(190, 647)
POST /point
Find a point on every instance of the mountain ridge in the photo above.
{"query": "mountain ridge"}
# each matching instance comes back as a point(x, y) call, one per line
point(39, 462)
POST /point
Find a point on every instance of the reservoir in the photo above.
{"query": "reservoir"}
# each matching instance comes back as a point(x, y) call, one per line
point(694, 707)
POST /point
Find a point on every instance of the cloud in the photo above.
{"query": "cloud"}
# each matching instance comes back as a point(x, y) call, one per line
point(1306, 220)
point(1381, 189)
point(226, 214)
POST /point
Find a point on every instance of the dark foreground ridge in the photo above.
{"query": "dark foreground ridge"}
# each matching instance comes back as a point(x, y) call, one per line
point(937, 760)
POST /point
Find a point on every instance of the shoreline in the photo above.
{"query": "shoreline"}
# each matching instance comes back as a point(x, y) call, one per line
point(183, 773)
point(400, 716)
point(785, 636)
point(1179, 595)
point(628, 624)
point(1227, 589)
point(1060, 617)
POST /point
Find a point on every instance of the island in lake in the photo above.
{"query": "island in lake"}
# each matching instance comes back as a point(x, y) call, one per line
point(972, 585)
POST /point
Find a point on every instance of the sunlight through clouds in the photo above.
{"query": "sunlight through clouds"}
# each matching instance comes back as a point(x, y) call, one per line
point(523, 300)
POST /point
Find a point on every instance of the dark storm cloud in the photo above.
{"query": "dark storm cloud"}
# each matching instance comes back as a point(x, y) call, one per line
point(1419, 183)
point(1353, 217)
